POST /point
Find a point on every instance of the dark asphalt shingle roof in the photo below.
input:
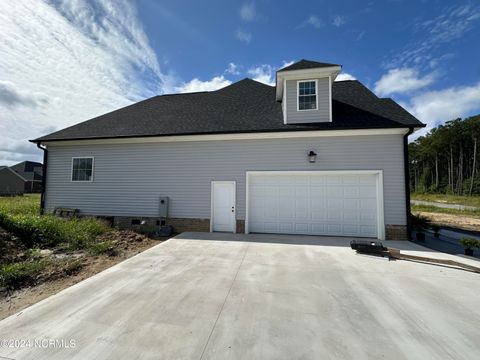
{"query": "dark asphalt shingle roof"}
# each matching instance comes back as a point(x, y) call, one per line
point(245, 106)
point(306, 64)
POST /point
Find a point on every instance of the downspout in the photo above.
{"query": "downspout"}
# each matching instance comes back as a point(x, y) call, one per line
point(406, 163)
point(44, 177)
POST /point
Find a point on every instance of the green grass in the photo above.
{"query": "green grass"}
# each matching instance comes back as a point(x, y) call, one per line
point(20, 216)
point(99, 248)
point(16, 275)
point(29, 204)
point(436, 209)
point(448, 199)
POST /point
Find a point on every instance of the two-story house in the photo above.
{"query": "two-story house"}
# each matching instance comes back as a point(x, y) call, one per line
point(307, 156)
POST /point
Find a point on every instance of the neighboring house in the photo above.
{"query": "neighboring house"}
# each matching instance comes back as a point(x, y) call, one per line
point(32, 172)
point(11, 183)
point(308, 156)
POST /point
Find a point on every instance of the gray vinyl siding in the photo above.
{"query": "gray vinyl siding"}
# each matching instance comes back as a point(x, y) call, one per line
point(130, 178)
point(322, 114)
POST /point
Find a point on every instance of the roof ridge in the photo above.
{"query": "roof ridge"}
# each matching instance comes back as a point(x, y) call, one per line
point(184, 93)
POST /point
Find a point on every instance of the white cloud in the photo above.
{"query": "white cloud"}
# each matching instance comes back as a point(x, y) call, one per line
point(435, 107)
point(401, 81)
point(313, 21)
point(65, 62)
point(345, 76)
point(264, 73)
point(454, 22)
point(195, 85)
point(286, 63)
point(360, 35)
point(248, 12)
point(338, 21)
point(243, 36)
point(232, 69)
point(11, 96)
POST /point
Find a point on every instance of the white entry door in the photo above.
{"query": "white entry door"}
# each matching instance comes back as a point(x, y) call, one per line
point(223, 206)
point(315, 203)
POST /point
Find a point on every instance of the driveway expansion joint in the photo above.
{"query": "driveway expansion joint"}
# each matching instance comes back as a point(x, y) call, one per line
point(224, 302)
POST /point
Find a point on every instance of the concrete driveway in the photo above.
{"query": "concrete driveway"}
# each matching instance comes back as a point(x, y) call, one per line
point(220, 296)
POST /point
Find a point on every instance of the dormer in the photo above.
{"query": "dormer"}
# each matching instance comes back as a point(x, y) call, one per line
point(305, 91)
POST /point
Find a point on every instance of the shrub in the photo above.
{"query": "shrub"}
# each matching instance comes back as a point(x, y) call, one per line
point(419, 223)
point(470, 243)
point(16, 275)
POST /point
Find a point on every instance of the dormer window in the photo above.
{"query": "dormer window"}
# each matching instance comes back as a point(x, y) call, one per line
point(307, 95)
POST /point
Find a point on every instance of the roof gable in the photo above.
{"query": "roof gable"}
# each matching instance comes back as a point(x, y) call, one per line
point(306, 64)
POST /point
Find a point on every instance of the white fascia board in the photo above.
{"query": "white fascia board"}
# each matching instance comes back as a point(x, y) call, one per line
point(317, 73)
point(226, 137)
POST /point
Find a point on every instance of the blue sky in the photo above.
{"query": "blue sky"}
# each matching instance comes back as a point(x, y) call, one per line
point(65, 61)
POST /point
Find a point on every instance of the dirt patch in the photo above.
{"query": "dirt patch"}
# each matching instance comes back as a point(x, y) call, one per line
point(126, 245)
point(454, 221)
point(11, 249)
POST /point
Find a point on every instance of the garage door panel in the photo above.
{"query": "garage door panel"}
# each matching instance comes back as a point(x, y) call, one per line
point(368, 230)
point(333, 180)
point(368, 217)
point(318, 228)
point(351, 216)
point(317, 192)
point(368, 204)
point(318, 204)
point(334, 191)
point(286, 227)
point(302, 180)
point(333, 204)
point(367, 192)
point(316, 180)
point(351, 230)
point(353, 204)
point(302, 228)
point(318, 215)
point(365, 179)
point(350, 192)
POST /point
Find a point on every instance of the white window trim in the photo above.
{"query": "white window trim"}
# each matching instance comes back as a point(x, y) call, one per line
point(93, 169)
point(379, 184)
point(316, 94)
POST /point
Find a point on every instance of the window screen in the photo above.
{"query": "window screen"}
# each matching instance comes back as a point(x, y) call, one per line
point(82, 169)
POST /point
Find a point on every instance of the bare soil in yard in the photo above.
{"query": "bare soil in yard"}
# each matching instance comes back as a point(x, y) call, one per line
point(54, 279)
point(454, 221)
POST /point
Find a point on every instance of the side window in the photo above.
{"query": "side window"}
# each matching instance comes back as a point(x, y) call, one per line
point(82, 169)
point(307, 95)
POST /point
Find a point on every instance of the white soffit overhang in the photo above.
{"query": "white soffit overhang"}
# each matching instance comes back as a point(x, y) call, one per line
point(225, 137)
point(331, 71)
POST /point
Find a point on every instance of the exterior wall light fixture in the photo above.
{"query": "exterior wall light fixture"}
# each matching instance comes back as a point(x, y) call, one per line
point(312, 156)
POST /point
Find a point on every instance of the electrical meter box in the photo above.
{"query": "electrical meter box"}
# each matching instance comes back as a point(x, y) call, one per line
point(163, 206)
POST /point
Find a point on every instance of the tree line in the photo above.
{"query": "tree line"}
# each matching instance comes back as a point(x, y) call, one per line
point(446, 159)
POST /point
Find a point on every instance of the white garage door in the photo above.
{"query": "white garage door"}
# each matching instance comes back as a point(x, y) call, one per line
point(317, 203)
